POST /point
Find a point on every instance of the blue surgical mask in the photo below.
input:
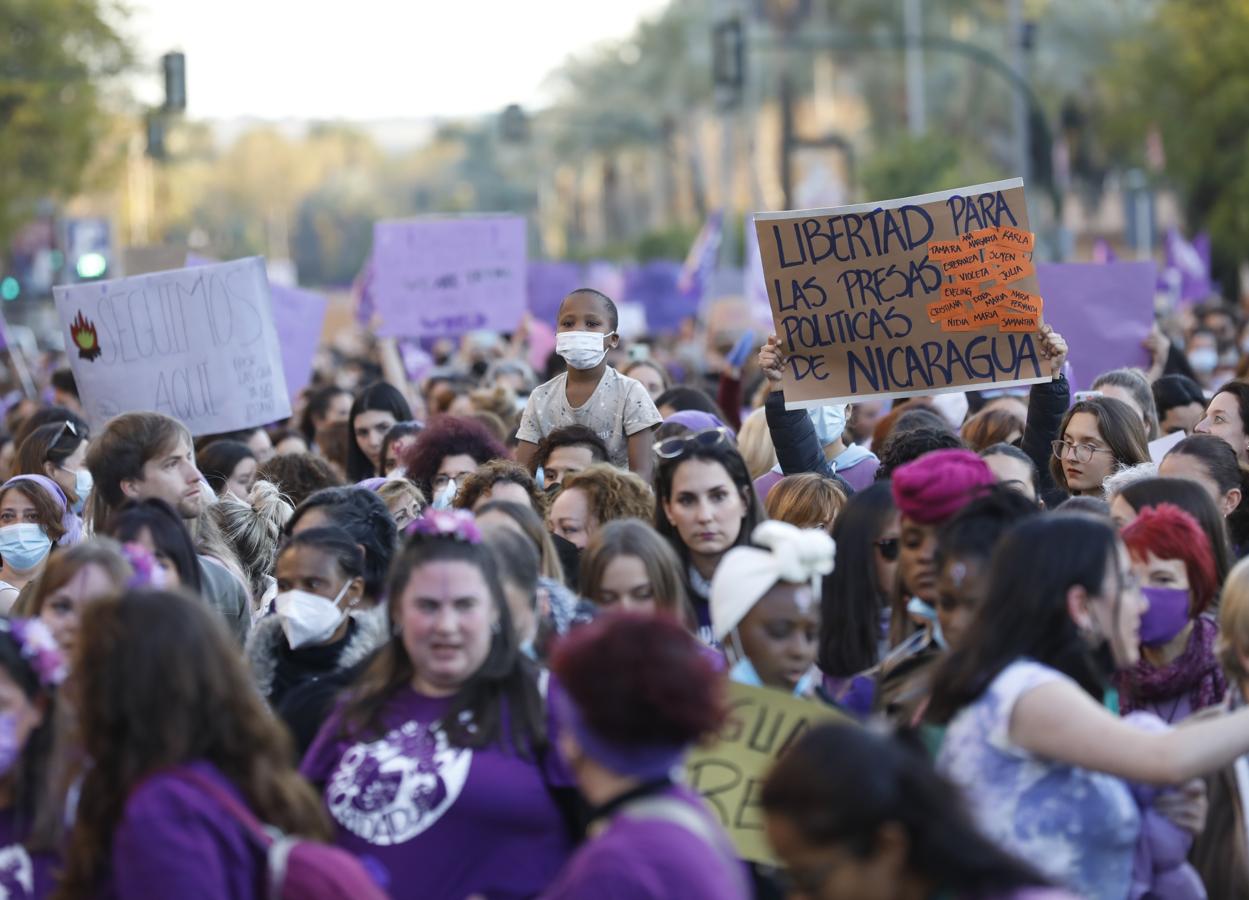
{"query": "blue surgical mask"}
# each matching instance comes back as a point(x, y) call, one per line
point(82, 487)
point(918, 607)
point(24, 546)
point(743, 672)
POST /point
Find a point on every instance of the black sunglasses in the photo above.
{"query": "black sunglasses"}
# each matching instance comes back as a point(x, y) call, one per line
point(678, 445)
point(888, 548)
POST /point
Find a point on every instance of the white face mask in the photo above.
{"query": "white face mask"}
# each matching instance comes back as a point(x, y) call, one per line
point(82, 487)
point(445, 497)
point(1203, 360)
point(582, 349)
point(308, 619)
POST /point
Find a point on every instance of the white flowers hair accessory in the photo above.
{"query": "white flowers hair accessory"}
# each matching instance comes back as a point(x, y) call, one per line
point(785, 553)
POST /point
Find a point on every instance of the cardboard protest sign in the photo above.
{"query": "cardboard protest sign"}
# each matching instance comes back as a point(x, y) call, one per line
point(729, 775)
point(198, 344)
point(439, 277)
point(1103, 310)
point(905, 297)
point(299, 317)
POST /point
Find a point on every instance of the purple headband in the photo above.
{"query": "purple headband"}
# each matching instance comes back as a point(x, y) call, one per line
point(646, 761)
point(70, 522)
point(697, 420)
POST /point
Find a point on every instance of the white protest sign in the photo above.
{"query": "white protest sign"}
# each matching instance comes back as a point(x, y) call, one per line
point(1162, 446)
point(441, 277)
point(197, 344)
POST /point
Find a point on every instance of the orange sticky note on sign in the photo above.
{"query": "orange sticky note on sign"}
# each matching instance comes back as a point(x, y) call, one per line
point(957, 292)
point(974, 276)
point(939, 250)
point(993, 298)
point(984, 317)
point(943, 309)
point(1025, 302)
point(997, 255)
point(1009, 274)
point(978, 240)
point(958, 323)
point(1016, 239)
point(1019, 322)
point(965, 262)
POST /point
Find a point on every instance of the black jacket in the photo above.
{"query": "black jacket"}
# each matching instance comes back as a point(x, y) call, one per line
point(798, 449)
point(1047, 404)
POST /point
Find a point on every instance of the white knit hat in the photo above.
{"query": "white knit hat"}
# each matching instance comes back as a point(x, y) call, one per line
point(745, 574)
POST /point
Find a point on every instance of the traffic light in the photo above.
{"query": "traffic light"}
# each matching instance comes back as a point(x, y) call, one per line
point(88, 248)
point(156, 134)
point(728, 60)
point(174, 67)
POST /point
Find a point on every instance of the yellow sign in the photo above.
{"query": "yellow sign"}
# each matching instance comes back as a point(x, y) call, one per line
point(729, 774)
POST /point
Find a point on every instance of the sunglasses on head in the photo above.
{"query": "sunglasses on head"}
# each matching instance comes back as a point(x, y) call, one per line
point(678, 445)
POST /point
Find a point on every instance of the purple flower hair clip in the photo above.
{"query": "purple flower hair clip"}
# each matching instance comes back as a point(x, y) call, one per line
point(147, 574)
point(39, 649)
point(456, 524)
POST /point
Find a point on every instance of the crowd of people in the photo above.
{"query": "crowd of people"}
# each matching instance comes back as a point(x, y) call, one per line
point(452, 637)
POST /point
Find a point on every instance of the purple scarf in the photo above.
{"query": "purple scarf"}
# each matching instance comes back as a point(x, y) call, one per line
point(1195, 672)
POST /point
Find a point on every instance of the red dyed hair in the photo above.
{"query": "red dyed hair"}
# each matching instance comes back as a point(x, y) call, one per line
point(449, 436)
point(640, 680)
point(1168, 532)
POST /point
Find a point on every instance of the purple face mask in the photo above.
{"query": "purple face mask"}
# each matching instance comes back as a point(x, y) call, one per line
point(1166, 617)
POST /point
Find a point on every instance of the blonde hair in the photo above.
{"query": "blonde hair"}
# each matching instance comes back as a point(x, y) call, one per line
point(754, 441)
point(808, 500)
point(1233, 640)
point(253, 529)
point(396, 492)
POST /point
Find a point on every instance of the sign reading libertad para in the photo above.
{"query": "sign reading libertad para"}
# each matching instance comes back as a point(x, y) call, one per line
point(920, 295)
point(197, 344)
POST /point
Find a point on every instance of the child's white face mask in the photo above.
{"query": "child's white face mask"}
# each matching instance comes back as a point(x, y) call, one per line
point(582, 349)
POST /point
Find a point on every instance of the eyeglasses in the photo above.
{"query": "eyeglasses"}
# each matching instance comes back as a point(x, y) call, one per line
point(888, 548)
point(681, 444)
point(1079, 452)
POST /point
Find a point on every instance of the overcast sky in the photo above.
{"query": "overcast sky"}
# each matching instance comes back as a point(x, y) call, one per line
point(365, 59)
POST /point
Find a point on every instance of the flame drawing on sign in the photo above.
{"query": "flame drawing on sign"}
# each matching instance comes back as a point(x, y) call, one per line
point(82, 331)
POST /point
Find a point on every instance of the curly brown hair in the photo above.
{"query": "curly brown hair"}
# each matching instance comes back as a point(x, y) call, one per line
point(481, 483)
point(613, 493)
point(298, 475)
point(449, 436)
point(158, 683)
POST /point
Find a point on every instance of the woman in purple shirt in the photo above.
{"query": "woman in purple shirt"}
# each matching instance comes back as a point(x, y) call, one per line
point(172, 725)
point(31, 668)
point(436, 768)
point(640, 692)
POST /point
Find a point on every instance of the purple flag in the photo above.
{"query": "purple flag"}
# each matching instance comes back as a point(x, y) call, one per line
point(654, 285)
point(547, 283)
point(1103, 310)
point(1186, 276)
point(701, 261)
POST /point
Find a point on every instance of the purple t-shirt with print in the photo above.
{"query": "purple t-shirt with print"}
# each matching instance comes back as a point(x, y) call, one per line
point(23, 875)
point(432, 820)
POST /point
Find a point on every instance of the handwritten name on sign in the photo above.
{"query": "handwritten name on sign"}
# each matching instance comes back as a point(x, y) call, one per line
point(729, 775)
point(197, 344)
point(877, 299)
point(446, 276)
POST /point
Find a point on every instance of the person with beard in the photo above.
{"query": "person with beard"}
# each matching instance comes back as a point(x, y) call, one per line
point(1043, 763)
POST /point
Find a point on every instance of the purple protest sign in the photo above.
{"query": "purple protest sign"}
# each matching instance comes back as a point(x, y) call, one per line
point(299, 317)
point(547, 285)
point(447, 276)
point(654, 285)
point(1103, 310)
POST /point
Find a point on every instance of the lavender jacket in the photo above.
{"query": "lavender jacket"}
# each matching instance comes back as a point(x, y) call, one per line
point(176, 841)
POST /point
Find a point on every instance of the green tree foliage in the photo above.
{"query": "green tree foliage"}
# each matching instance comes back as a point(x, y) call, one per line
point(1187, 74)
point(56, 57)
